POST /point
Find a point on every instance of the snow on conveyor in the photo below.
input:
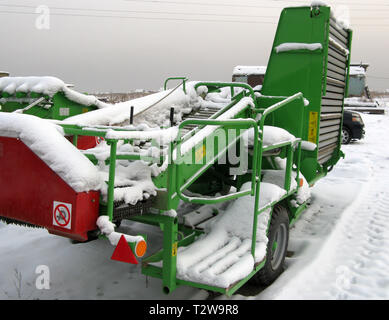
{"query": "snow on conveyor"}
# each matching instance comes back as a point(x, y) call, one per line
point(154, 109)
point(223, 256)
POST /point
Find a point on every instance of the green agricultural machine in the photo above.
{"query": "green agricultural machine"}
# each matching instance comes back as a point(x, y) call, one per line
point(227, 182)
point(44, 97)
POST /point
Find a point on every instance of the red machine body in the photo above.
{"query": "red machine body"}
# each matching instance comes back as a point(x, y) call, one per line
point(86, 142)
point(32, 192)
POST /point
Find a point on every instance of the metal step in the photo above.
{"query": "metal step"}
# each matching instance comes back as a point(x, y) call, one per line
point(199, 114)
point(338, 33)
point(333, 52)
point(328, 123)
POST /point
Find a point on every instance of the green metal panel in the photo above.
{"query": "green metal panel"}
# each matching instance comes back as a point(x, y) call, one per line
point(64, 108)
point(302, 71)
point(58, 107)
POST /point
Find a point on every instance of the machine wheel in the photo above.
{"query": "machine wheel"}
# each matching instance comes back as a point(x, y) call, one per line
point(276, 248)
point(346, 135)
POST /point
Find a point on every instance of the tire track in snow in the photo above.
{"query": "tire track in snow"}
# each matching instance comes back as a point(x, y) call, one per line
point(353, 261)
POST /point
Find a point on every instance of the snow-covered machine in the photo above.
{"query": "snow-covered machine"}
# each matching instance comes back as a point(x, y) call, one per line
point(47, 98)
point(223, 170)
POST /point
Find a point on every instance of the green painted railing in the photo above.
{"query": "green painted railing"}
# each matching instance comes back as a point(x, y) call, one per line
point(231, 85)
point(184, 80)
point(233, 124)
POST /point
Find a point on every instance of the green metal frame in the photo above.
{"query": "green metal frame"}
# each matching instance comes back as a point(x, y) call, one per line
point(169, 225)
point(279, 105)
point(155, 271)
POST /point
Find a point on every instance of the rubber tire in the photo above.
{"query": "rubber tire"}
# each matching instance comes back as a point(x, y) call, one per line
point(348, 133)
point(267, 275)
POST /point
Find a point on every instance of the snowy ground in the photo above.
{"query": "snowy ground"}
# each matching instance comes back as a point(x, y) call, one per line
point(339, 249)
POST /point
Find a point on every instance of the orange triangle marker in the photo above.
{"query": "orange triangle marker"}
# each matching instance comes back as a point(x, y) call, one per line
point(123, 252)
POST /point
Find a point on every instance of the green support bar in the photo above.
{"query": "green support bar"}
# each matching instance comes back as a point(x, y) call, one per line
point(111, 180)
point(288, 169)
point(170, 246)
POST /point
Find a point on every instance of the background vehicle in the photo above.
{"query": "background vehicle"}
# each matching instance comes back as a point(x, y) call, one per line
point(353, 127)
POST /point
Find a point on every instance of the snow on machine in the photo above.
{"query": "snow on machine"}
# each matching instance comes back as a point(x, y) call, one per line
point(223, 170)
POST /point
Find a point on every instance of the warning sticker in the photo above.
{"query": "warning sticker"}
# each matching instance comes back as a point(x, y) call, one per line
point(174, 250)
point(312, 131)
point(62, 215)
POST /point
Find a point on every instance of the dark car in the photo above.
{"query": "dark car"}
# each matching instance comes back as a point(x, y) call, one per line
point(353, 127)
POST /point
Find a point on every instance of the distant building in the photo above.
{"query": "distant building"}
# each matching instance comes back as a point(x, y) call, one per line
point(253, 75)
point(4, 74)
point(357, 82)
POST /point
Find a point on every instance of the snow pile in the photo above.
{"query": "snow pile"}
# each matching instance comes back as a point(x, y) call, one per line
point(46, 86)
point(154, 109)
point(120, 113)
point(293, 46)
point(318, 3)
point(203, 213)
point(271, 136)
point(43, 85)
point(356, 102)
point(341, 14)
point(357, 71)
point(133, 181)
point(308, 146)
point(249, 70)
point(83, 99)
point(222, 256)
point(47, 142)
point(277, 177)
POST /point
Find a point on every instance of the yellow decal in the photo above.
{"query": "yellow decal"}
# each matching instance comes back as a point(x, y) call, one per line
point(312, 131)
point(174, 251)
point(84, 110)
point(200, 154)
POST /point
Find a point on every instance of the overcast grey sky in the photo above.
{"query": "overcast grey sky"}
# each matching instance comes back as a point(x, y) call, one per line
point(119, 45)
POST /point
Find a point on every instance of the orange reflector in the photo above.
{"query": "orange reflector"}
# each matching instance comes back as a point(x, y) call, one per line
point(141, 248)
point(301, 182)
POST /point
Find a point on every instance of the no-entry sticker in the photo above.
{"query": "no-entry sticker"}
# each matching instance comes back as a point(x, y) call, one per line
point(62, 214)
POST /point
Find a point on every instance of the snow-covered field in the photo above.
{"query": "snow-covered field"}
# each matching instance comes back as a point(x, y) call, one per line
point(339, 249)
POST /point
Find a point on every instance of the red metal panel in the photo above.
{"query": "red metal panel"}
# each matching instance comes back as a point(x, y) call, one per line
point(85, 142)
point(29, 188)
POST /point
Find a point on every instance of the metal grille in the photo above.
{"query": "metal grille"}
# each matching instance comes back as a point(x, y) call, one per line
point(332, 102)
point(205, 113)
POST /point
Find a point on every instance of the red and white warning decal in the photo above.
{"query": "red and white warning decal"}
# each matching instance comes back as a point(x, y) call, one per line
point(62, 215)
